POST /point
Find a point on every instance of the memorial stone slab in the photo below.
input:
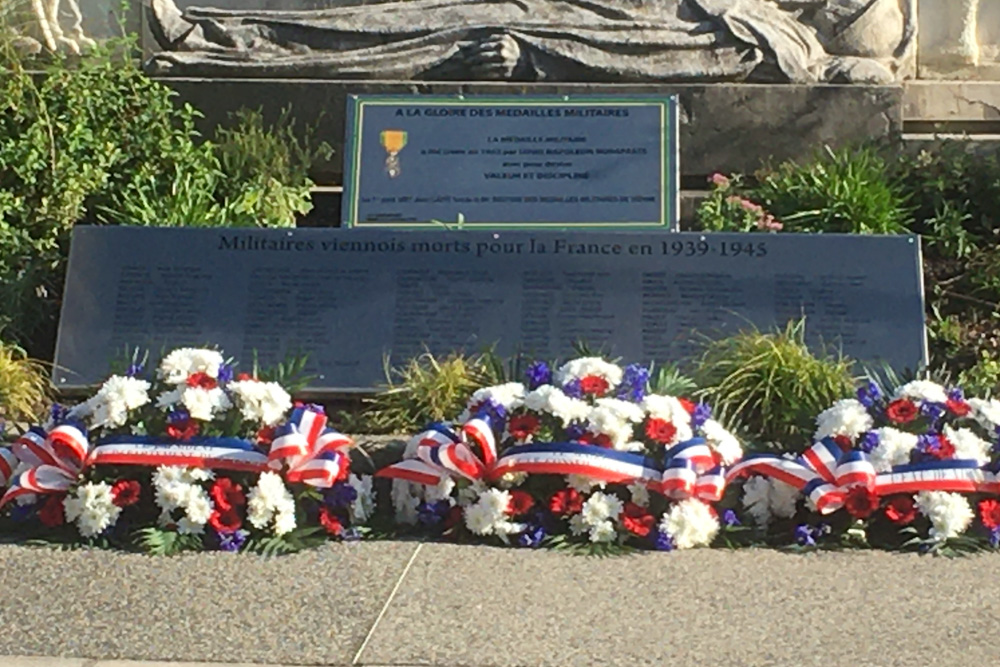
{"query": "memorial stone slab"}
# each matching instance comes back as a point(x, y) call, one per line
point(350, 297)
point(425, 161)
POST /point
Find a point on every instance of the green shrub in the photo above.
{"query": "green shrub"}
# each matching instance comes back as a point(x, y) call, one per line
point(839, 191)
point(23, 386)
point(423, 390)
point(726, 210)
point(95, 140)
point(770, 385)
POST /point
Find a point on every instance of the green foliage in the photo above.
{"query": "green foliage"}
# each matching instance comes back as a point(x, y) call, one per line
point(574, 547)
point(669, 380)
point(771, 384)
point(24, 385)
point(289, 543)
point(158, 542)
point(94, 139)
point(726, 210)
point(425, 389)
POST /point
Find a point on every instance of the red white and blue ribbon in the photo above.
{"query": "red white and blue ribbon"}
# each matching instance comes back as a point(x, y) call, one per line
point(198, 452)
point(691, 472)
point(56, 459)
point(573, 458)
point(442, 452)
point(825, 473)
point(309, 451)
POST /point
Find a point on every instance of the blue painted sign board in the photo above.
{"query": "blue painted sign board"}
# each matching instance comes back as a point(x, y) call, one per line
point(349, 297)
point(514, 162)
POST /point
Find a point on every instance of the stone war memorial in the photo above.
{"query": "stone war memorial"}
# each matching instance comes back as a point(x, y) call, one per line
point(426, 276)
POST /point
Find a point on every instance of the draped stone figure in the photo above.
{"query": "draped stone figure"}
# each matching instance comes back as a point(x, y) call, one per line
point(864, 41)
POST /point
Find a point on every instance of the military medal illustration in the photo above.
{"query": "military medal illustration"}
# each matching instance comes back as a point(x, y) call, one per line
point(393, 141)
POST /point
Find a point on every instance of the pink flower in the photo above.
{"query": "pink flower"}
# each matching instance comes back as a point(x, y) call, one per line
point(719, 180)
point(769, 223)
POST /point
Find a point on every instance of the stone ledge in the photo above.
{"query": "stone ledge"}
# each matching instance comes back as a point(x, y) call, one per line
point(951, 101)
point(724, 127)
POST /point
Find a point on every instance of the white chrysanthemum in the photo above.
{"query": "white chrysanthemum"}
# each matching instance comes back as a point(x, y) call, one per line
point(405, 500)
point(488, 515)
point(639, 494)
point(923, 390)
point(623, 410)
point(479, 519)
point(192, 475)
point(949, 513)
point(586, 366)
point(765, 498)
point(784, 499)
point(204, 404)
point(169, 399)
point(582, 483)
point(846, 417)
point(263, 402)
point(551, 400)
point(186, 526)
point(198, 506)
point(284, 521)
point(510, 396)
point(364, 505)
point(505, 527)
point(496, 500)
point(690, 523)
point(179, 364)
point(268, 500)
point(600, 507)
point(602, 421)
point(509, 480)
point(91, 506)
point(110, 406)
point(577, 526)
point(722, 442)
point(440, 491)
point(968, 445)
point(171, 495)
point(893, 449)
point(603, 531)
point(986, 412)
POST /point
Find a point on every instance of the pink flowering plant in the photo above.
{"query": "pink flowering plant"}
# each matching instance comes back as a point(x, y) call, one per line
point(727, 210)
point(189, 455)
point(583, 455)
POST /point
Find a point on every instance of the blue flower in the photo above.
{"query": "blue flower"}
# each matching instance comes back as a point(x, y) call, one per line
point(493, 411)
point(662, 541)
point(633, 384)
point(538, 373)
point(805, 536)
point(532, 536)
point(226, 374)
point(995, 538)
point(178, 416)
point(20, 513)
point(232, 542)
point(702, 413)
point(316, 407)
point(134, 369)
point(933, 412)
point(576, 430)
point(869, 394)
point(868, 442)
point(956, 395)
point(573, 389)
point(339, 495)
point(730, 519)
point(350, 534)
point(431, 514)
point(58, 413)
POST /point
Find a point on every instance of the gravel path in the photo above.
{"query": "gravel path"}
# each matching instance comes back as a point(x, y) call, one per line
point(439, 604)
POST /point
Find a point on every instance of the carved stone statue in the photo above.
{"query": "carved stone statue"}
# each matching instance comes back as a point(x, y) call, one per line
point(44, 28)
point(870, 41)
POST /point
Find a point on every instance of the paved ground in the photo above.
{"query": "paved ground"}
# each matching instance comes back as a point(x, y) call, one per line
point(399, 603)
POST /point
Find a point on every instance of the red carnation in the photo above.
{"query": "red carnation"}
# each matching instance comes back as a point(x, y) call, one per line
point(520, 503)
point(227, 495)
point(202, 381)
point(523, 426)
point(660, 430)
point(861, 502)
point(51, 512)
point(843, 442)
point(566, 502)
point(265, 436)
point(958, 408)
point(330, 522)
point(225, 521)
point(901, 509)
point(601, 440)
point(453, 518)
point(989, 514)
point(125, 492)
point(637, 520)
point(944, 450)
point(688, 405)
point(594, 385)
point(184, 430)
point(244, 377)
point(902, 411)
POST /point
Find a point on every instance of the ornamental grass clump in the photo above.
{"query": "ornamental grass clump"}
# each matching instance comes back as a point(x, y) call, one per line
point(23, 385)
point(771, 384)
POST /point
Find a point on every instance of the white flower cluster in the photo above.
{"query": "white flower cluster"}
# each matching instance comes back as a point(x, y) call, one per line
point(950, 513)
point(176, 367)
point(589, 366)
point(616, 419)
point(847, 417)
point(690, 523)
point(552, 400)
point(91, 506)
point(488, 515)
point(364, 505)
point(262, 402)
point(722, 442)
point(922, 390)
point(510, 396)
point(179, 488)
point(765, 498)
point(968, 445)
point(600, 512)
point(270, 501)
point(893, 449)
point(109, 407)
point(986, 412)
point(670, 409)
